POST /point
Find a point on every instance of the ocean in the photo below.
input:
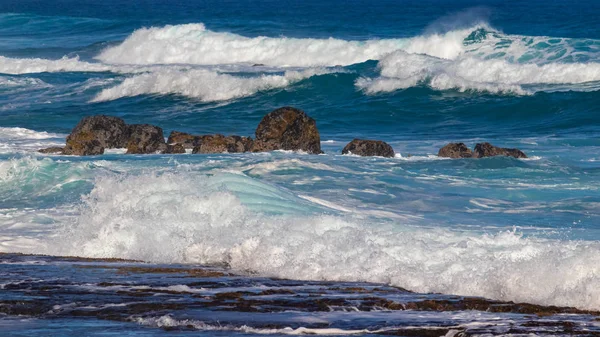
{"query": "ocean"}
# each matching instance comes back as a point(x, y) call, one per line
point(279, 229)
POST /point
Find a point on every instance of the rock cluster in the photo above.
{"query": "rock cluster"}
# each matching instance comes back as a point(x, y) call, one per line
point(92, 135)
point(286, 128)
point(460, 150)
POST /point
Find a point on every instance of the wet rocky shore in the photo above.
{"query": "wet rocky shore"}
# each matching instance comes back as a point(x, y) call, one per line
point(189, 299)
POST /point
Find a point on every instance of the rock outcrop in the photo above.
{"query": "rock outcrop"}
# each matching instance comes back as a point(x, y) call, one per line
point(174, 149)
point(53, 149)
point(362, 147)
point(455, 150)
point(145, 138)
point(488, 150)
point(187, 140)
point(95, 133)
point(282, 129)
point(219, 144)
point(287, 128)
point(110, 132)
point(83, 143)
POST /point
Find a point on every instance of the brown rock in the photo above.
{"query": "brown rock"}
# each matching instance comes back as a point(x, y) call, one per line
point(110, 132)
point(174, 149)
point(455, 150)
point(54, 149)
point(488, 150)
point(188, 141)
point(219, 144)
point(363, 147)
point(287, 129)
point(145, 138)
point(83, 143)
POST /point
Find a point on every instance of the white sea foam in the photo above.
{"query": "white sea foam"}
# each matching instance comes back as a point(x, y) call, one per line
point(194, 44)
point(202, 84)
point(192, 218)
point(473, 59)
point(15, 82)
point(401, 70)
point(24, 140)
point(16, 66)
point(36, 65)
point(169, 321)
point(17, 133)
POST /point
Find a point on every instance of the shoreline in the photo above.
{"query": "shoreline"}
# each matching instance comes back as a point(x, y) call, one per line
point(458, 303)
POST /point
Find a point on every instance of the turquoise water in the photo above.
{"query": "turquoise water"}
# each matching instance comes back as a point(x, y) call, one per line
point(416, 74)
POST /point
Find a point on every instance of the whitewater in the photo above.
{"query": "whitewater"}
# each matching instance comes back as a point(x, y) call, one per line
point(502, 229)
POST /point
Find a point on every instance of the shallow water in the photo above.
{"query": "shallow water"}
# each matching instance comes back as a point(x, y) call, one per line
point(414, 74)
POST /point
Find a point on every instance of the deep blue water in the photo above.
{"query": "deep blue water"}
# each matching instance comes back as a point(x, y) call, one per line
point(416, 74)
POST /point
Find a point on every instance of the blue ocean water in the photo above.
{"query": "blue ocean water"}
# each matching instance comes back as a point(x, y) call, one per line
point(416, 74)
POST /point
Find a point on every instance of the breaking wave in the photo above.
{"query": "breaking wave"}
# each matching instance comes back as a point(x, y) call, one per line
point(193, 218)
point(202, 84)
point(194, 44)
point(25, 140)
point(401, 70)
point(184, 59)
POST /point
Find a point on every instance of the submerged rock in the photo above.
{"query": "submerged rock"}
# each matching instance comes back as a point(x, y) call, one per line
point(145, 138)
point(362, 147)
point(187, 140)
point(174, 149)
point(455, 150)
point(219, 144)
point(54, 149)
point(110, 132)
point(488, 150)
point(287, 128)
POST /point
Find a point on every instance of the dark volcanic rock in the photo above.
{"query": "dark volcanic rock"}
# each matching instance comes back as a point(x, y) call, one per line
point(455, 150)
point(110, 132)
point(363, 147)
point(287, 128)
point(83, 143)
point(488, 150)
point(145, 138)
point(188, 141)
point(54, 149)
point(174, 148)
point(95, 133)
point(219, 144)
